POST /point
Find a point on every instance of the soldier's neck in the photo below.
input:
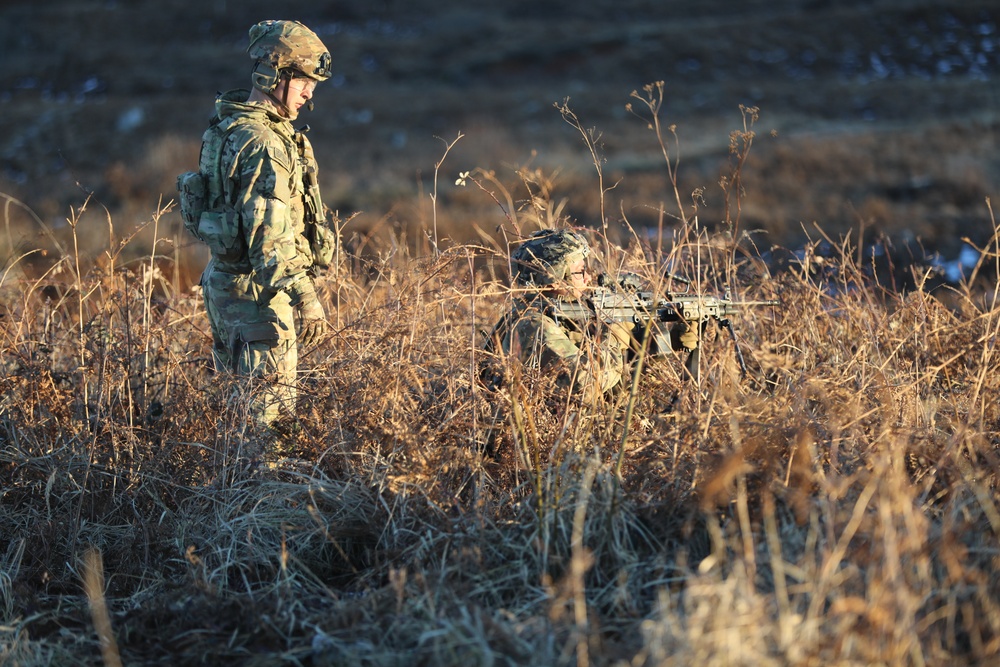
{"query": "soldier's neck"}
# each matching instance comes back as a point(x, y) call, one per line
point(258, 97)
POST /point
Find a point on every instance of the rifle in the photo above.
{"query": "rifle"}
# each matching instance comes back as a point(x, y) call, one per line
point(645, 310)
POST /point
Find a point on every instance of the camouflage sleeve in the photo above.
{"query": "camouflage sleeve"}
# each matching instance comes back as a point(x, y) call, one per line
point(260, 172)
point(581, 361)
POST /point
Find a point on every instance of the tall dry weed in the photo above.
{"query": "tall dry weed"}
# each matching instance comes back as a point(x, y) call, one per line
point(836, 505)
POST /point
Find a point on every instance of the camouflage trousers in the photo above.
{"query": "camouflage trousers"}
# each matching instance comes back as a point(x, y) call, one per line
point(254, 341)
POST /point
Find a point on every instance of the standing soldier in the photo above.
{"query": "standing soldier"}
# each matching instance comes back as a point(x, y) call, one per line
point(255, 201)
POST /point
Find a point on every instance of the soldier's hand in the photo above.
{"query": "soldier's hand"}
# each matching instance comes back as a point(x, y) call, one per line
point(312, 317)
point(312, 321)
point(311, 331)
point(689, 337)
point(621, 333)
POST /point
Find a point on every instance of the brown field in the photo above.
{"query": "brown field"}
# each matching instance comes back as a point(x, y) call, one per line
point(836, 506)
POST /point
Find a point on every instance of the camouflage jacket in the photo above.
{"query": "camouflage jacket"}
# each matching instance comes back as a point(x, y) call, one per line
point(262, 182)
point(588, 363)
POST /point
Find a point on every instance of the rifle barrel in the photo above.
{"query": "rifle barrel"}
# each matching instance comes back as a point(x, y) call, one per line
point(766, 302)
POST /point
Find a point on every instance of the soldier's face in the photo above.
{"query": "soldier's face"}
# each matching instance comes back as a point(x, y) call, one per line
point(300, 91)
point(579, 277)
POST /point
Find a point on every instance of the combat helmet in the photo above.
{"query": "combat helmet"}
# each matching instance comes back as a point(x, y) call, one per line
point(545, 258)
point(277, 46)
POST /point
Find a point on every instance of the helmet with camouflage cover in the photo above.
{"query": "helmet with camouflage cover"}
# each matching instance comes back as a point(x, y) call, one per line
point(286, 45)
point(545, 258)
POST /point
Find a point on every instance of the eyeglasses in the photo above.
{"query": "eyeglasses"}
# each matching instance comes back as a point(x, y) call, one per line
point(306, 84)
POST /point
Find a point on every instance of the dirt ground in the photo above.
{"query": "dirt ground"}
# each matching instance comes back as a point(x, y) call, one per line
point(876, 117)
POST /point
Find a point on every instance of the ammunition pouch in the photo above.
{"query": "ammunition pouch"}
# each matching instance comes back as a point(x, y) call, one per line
point(323, 244)
point(219, 229)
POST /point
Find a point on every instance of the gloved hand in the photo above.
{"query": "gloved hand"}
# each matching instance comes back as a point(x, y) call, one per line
point(312, 317)
point(621, 333)
point(688, 336)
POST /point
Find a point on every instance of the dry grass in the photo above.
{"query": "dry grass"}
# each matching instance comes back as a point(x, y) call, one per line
point(837, 506)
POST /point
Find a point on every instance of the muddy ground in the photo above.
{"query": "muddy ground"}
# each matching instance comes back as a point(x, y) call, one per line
point(878, 117)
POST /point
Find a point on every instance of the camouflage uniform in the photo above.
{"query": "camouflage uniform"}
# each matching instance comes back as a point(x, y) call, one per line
point(590, 362)
point(589, 365)
point(252, 292)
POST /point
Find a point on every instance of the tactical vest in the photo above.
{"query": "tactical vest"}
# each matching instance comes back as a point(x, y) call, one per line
point(208, 216)
point(322, 240)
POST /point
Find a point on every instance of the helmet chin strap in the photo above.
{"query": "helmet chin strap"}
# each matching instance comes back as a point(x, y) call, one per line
point(283, 103)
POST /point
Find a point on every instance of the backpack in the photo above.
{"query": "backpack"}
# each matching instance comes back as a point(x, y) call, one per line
point(203, 207)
